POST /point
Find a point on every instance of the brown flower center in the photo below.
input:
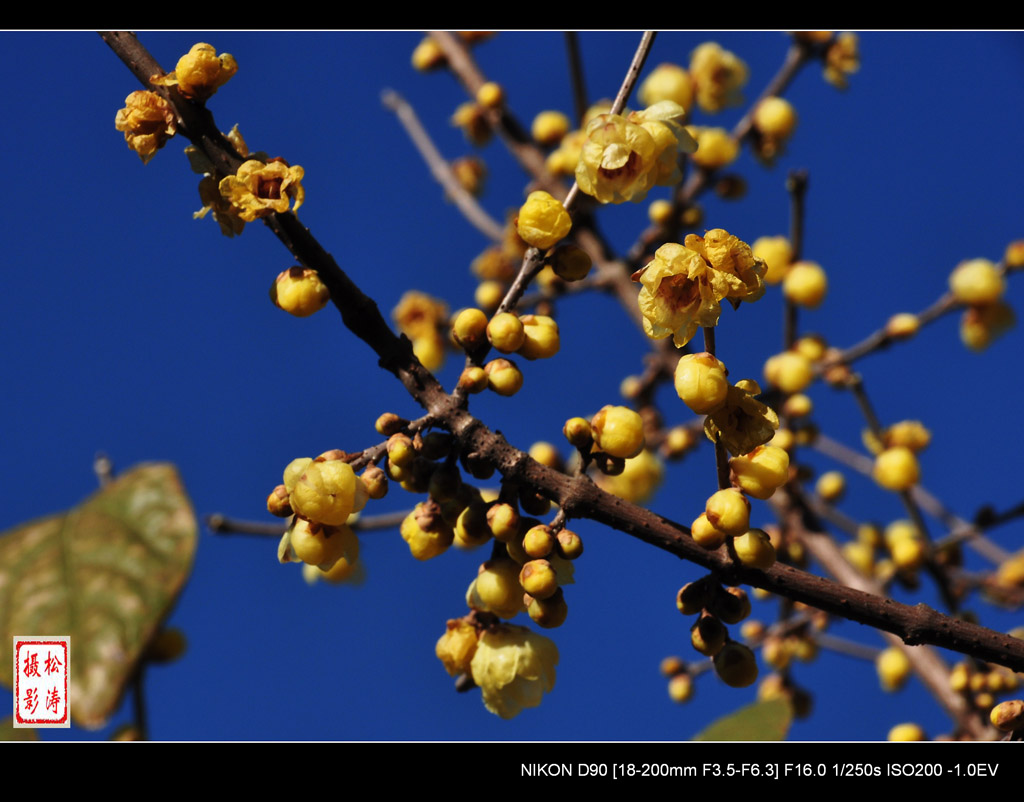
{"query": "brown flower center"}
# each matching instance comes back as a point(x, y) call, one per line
point(269, 188)
point(680, 291)
point(628, 170)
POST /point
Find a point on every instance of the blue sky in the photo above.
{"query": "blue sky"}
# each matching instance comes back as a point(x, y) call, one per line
point(135, 330)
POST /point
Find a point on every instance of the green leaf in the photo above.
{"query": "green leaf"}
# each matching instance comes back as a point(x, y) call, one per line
point(107, 573)
point(761, 721)
point(8, 732)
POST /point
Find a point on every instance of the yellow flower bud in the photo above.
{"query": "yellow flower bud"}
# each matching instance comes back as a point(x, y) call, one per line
point(503, 377)
point(762, 471)
point(830, 486)
point(680, 688)
point(550, 612)
point(797, 406)
point(540, 337)
point(539, 579)
point(503, 519)
point(490, 95)
point(736, 665)
point(549, 127)
point(805, 284)
point(428, 55)
point(200, 72)
point(328, 492)
point(777, 253)
point(754, 549)
point(1008, 716)
point(813, 346)
point(775, 117)
point(578, 432)
point(496, 589)
point(976, 282)
point(715, 148)
point(470, 172)
point(571, 263)
point(505, 331)
point(981, 325)
point(729, 511)
point(790, 371)
point(618, 431)
point(426, 532)
point(906, 732)
point(469, 328)
point(893, 668)
point(705, 534)
point(708, 635)
point(896, 469)
point(299, 291)
point(902, 326)
point(543, 220)
point(488, 294)
point(667, 82)
point(429, 350)
point(701, 382)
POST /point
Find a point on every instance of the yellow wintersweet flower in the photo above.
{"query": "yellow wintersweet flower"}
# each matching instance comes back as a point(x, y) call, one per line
point(684, 284)
point(147, 121)
point(514, 668)
point(258, 189)
point(456, 646)
point(842, 59)
point(663, 121)
point(200, 72)
point(718, 76)
point(742, 423)
point(418, 314)
point(224, 213)
point(616, 160)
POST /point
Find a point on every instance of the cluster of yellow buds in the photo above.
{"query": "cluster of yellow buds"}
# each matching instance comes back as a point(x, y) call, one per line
point(683, 285)
point(321, 495)
point(979, 285)
point(734, 416)
point(530, 336)
point(715, 608)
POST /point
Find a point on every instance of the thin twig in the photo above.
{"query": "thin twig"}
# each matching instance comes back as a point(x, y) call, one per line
point(796, 185)
point(440, 168)
point(579, 88)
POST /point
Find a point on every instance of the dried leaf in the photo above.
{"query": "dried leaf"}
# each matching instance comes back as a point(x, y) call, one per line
point(107, 573)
